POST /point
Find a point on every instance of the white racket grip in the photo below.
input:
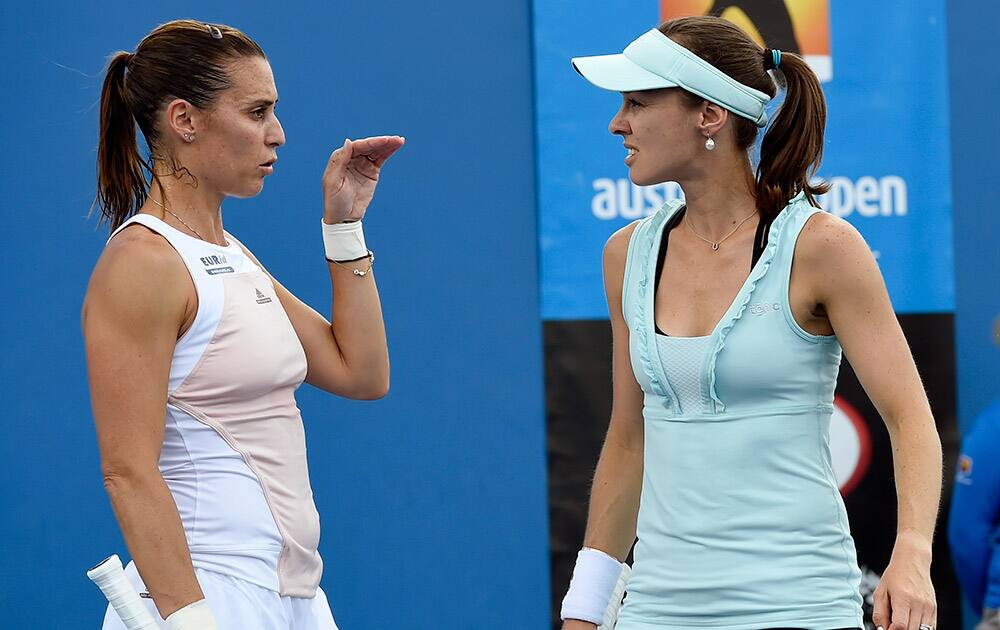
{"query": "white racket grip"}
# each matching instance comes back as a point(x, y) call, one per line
point(615, 603)
point(110, 577)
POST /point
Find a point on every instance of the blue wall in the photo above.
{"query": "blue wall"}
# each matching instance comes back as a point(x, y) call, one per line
point(433, 499)
point(975, 129)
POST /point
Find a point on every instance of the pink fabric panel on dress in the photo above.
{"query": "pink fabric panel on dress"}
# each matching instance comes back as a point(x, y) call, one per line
point(244, 387)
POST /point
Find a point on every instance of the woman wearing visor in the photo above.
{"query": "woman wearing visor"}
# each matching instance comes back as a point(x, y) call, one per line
point(727, 346)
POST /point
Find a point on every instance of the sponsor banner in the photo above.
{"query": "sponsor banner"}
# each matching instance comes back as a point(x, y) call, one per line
point(886, 158)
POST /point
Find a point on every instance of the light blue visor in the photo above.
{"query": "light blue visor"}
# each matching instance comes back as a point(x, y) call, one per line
point(655, 61)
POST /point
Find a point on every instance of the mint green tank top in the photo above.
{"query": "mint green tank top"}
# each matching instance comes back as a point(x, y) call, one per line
point(741, 524)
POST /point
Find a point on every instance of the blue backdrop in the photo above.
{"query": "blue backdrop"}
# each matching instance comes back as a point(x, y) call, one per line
point(974, 82)
point(433, 499)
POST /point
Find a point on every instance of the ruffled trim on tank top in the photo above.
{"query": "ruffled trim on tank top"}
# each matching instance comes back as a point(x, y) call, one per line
point(654, 225)
point(646, 240)
point(736, 311)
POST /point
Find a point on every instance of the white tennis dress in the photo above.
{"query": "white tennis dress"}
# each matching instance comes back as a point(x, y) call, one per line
point(234, 454)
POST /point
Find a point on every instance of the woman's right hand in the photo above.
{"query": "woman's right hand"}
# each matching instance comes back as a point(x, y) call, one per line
point(576, 624)
point(351, 175)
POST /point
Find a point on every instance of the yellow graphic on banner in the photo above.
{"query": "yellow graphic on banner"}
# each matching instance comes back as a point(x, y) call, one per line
point(798, 26)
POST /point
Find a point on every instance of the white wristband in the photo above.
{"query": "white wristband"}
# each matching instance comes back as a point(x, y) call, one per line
point(593, 589)
point(344, 241)
point(196, 616)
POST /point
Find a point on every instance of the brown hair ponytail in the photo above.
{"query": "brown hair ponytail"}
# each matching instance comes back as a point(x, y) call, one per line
point(121, 185)
point(793, 143)
point(792, 148)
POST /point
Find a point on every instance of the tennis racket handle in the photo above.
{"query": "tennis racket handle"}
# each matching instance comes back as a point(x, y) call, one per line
point(110, 577)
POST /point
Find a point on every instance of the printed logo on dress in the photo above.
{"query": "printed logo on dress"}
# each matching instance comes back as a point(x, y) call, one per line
point(216, 264)
point(261, 298)
point(964, 473)
point(763, 308)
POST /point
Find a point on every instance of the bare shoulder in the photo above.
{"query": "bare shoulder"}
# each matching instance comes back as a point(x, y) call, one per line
point(138, 274)
point(616, 249)
point(835, 261)
point(615, 254)
point(830, 243)
point(138, 256)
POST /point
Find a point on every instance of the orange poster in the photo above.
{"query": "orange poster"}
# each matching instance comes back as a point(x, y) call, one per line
point(799, 26)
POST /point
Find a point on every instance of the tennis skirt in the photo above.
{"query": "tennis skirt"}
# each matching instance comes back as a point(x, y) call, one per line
point(240, 605)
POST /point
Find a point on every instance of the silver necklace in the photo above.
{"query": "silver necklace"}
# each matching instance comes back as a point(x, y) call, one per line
point(167, 210)
point(715, 244)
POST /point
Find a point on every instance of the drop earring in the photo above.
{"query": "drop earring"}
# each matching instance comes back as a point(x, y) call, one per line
point(710, 144)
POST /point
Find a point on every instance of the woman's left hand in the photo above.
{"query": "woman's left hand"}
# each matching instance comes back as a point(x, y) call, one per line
point(352, 174)
point(904, 599)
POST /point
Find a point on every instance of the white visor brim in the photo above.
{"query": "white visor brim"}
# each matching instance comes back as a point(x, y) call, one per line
point(655, 61)
point(619, 74)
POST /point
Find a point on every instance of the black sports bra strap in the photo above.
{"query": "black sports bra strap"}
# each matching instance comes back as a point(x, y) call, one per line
point(759, 244)
point(760, 239)
point(673, 222)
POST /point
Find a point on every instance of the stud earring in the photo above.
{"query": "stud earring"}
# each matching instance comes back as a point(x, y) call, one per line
point(188, 137)
point(710, 144)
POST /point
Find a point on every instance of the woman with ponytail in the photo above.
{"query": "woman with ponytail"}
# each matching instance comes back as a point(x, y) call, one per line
point(194, 351)
point(727, 346)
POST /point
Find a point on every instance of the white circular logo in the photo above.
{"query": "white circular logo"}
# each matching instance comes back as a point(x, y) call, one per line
point(850, 445)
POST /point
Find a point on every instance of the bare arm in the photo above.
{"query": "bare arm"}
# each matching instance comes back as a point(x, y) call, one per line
point(349, 357)
point(358, 330)
point(614, 497)
point(136, 303)
point(850, 288)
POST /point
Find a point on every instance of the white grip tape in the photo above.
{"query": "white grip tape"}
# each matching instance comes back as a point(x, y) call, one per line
point(596, 590)
point(110, 578)
point(344, 241)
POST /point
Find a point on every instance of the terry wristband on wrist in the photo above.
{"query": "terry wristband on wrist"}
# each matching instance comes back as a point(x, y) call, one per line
point(596, 590)
point(344, 241)
point(196, 616)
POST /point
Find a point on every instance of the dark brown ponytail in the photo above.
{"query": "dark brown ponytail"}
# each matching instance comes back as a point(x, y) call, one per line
point(792, 146)
point(180, 59)
point(121, 185)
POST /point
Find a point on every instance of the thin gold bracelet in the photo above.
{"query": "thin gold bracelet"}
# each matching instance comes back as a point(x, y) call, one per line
point(347, 263)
